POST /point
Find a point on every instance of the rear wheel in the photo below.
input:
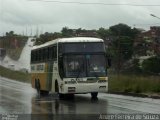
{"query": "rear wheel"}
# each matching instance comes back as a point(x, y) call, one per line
point(38, 88)
point(69, 96)
point(94, 95)
point(37, 85)
point(61, 96)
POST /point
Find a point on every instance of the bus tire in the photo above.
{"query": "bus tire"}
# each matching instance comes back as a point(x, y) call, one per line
point(61, 96)
point(44, 92)
point(56, 87)
point(70, 96)
point(37, 85)
point(94, 95)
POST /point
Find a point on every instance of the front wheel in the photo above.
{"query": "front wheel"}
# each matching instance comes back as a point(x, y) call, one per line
point(61, 96)
point(43, 92)
point(94, 95)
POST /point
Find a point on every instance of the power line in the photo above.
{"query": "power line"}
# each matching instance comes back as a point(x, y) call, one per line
point(146, 24)
point(96, 3)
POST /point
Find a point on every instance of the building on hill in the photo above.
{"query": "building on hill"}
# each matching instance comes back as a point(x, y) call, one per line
point(87, 33)
point(148, 41)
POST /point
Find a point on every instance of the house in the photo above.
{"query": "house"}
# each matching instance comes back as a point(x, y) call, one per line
point(148, 41)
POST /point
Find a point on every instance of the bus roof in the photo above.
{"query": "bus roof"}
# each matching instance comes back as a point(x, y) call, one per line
point(68, 40)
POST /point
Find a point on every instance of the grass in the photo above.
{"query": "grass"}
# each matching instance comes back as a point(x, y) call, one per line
point(15, 75)
point(134, 84)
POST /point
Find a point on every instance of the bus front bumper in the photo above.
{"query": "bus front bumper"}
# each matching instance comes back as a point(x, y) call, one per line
point(84, 88)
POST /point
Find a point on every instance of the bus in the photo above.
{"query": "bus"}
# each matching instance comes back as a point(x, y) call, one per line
point(70, 66)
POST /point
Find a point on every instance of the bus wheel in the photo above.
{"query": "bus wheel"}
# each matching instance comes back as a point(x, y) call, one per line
point(56, 87)
point(61, 96)
point(94, 95)
point(70, 96)
point(37, 85)
point(44, 92)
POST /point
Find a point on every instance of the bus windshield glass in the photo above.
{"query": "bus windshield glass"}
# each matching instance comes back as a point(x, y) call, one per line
point(74, 64)
point(96, 65)
point(85, 65)
point(83, 47)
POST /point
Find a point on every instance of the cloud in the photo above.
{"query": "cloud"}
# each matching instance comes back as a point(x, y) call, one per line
point(19, 14)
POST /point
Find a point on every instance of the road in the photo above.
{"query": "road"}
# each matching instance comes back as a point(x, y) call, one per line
point(20, 98)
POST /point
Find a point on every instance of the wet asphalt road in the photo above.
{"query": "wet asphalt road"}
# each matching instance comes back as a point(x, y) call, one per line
point(20, 98)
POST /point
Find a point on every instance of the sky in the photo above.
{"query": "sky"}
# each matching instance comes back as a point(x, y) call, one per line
point(31, 16)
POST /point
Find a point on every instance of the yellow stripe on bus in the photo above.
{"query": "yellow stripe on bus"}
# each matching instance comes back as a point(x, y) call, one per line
point(42, 78)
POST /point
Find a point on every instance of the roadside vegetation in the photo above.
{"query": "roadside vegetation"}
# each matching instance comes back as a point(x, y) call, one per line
point(126, 83)
point(14, 75)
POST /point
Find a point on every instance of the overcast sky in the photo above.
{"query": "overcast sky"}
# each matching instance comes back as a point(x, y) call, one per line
point(24, 15)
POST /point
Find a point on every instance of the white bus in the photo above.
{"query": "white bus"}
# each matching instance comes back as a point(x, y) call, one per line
point(70, 66)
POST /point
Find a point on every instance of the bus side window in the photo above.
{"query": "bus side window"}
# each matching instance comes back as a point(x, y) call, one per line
point(40, 53)
point(50, 53)
point(46, 53)
point(55, 52)
point(43, 54)
point(36, 56)
point(33, 56)
point(32, 59)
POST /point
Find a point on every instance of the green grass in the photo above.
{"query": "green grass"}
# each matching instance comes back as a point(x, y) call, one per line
point(15, 75)
point(134, 84)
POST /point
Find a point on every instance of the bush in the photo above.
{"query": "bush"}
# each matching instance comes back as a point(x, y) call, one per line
point(132, 67)
point(151, 65)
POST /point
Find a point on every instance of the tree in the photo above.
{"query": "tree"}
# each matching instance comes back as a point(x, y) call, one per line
point(66, 32)
point(121, 30)
point(122, 44)
point(47, 37)
point(151, 65)
point(103, 33)
point(122, 50)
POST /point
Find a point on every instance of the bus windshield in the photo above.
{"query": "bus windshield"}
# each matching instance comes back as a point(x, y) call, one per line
point(84, 66)
point(96, 65)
